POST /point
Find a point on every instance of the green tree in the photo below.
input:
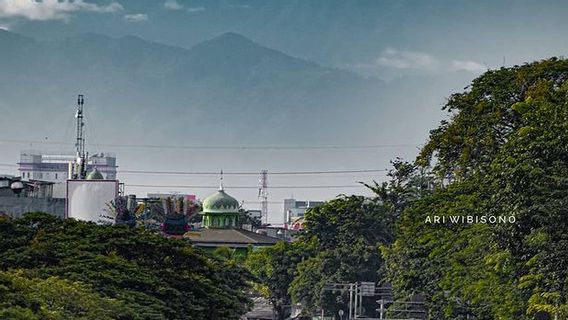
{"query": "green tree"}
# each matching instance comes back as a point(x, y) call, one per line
point(245, 218)
point(274, 268)
point(346, 234)
point(482, 118)
point(54, 298)
point(504, 154)
point(152, 276)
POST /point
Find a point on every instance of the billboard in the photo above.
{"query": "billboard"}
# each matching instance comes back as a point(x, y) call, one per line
point(88, 200)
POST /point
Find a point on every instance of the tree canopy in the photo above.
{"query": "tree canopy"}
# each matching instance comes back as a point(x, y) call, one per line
point(133, 273)
point(505, 151)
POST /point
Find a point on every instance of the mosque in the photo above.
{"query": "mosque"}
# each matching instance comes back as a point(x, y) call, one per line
point(221, 226)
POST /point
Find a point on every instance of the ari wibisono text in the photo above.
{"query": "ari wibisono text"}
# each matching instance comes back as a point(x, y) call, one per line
point(469, 219)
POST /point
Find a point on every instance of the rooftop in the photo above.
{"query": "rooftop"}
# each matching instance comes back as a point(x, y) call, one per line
point(235, 238)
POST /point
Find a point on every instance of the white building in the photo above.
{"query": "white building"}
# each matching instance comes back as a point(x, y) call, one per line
point(295, 208)
point(54, 167)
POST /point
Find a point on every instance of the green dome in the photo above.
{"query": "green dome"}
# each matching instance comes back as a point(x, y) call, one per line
point(95, 175)
point(220, 202)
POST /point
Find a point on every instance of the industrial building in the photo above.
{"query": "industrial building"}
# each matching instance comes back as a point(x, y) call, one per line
point(55, 167)
point(79, 185)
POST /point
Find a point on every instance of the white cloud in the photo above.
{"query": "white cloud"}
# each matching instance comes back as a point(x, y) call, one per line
point(415, 60)
point(52, 9)
point(240, 6)
point(402, 59)
point(470, 66)
point(172, 5)
point(195, 9)
point(136, 17)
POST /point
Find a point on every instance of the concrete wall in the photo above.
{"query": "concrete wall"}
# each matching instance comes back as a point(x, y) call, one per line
point(17, 206)
point(60, 190)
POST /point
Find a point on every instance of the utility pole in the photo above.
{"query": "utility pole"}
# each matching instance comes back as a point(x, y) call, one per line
point(351, 313)
point(263, 195)
point(356, 300)
point(361, 297)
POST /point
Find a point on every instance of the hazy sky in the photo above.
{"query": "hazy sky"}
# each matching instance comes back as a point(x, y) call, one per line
point(424, 50)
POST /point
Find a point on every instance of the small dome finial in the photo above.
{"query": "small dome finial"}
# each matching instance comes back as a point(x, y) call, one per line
point(94, 175)
point(221, 181)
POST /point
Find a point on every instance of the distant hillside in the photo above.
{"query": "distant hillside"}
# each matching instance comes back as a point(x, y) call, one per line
point(229, 84)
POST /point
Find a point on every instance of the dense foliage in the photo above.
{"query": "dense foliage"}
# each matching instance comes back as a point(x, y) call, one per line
point(346, 234)
point(274, 268)
point(503, 154)
point(65, 269)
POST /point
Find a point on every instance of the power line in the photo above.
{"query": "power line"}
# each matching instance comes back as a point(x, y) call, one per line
point(263, 147)
point(244, 187)
point(35, 141)
point(252, 173)
point(220, 147)
point(237, 173)
point(258, 202)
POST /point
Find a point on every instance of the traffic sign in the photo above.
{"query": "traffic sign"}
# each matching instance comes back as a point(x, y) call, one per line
point(368, 289)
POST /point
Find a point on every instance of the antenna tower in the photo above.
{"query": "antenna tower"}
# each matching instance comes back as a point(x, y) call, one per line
point(81, 171)
point(263, 195)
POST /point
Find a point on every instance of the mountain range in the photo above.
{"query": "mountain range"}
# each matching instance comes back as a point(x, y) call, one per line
point(228, 87)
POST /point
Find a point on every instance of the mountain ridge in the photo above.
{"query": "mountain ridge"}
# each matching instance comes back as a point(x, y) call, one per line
point(235, 40)
point(229, 80)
